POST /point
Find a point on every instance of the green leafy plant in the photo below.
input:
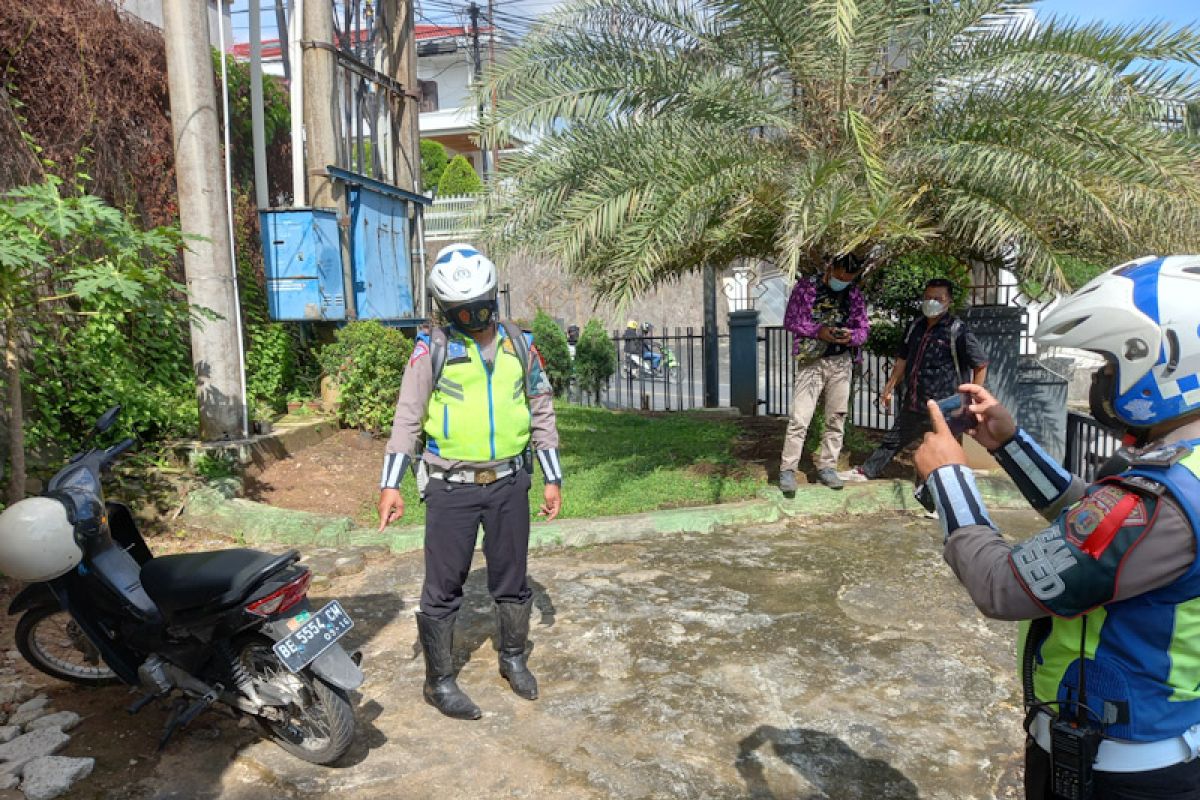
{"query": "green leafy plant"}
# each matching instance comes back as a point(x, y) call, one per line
point(366, 360)
point(88, 290)
point(551, 342)
point(214, 467)
point(895, 291)
point(595, 358)
point(681, 134)
point(459, 178)
point(433, 163)
point(270, 365)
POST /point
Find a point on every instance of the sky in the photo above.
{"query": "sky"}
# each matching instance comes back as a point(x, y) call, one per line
point(1177, 11)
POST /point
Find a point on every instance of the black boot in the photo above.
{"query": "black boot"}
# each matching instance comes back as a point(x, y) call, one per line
point(441, 691)
point(512, 622)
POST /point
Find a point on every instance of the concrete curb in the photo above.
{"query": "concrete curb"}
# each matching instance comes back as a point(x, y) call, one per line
point(260, 524)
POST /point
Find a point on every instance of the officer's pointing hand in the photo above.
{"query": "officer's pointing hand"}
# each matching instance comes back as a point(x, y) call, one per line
point(939, 447)
point(391, 507)
point(551, 501)
point(994, 424)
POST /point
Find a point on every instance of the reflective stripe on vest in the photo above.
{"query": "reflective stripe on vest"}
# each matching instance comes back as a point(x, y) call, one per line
point(1158, 632)
point(475, 414)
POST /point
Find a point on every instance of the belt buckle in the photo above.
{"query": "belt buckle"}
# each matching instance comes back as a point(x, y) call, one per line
point(485, 476)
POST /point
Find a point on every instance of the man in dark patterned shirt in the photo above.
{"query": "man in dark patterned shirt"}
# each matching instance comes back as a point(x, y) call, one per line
point(932, 361)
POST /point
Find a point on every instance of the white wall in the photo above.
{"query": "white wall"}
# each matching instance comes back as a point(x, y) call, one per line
point(151, 11)
point(452, 73)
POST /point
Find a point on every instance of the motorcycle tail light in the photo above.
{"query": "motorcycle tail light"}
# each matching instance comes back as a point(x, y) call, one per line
point(282, 598)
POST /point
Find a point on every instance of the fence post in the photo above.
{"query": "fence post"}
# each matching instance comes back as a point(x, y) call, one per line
point(743, 361)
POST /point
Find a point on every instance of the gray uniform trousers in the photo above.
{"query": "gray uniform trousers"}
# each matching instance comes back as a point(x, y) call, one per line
point(454, 512)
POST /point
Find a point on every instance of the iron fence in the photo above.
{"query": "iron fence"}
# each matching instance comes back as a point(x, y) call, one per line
point(1089, 445)
point(663, 372)
point(778, 369)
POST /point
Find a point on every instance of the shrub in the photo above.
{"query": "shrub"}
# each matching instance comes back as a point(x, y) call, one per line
point(459, 178)
point(270, 366)
point(366, 360)
point(551, 342)
point(894, 293)
point(433, 163)
point(595, 358)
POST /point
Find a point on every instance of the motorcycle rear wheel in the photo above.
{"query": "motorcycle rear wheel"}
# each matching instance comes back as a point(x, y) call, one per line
point(52, 643)
point(322, 732)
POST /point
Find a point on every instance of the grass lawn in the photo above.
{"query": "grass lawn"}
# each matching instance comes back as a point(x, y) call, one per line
point(624, 463)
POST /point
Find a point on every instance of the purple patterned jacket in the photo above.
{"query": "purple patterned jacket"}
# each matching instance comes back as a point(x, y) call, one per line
point(799, 319)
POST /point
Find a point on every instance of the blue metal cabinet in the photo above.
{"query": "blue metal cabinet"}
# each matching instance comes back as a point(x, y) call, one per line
point(381, 265)
point(302, 259)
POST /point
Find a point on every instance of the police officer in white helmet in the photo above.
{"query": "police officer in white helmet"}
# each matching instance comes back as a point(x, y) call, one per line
point(1110, 668)
point(478, 394)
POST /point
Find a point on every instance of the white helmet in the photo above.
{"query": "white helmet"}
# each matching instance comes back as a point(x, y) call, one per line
point(1144, 317)
point(461, 274)
point(37, 540)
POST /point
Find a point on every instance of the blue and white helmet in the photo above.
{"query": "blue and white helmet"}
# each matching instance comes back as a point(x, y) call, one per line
point(1144, 317)
point(461, 274)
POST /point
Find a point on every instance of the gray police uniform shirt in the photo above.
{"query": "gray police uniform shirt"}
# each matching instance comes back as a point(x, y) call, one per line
point(416, 388)
point(980, 557)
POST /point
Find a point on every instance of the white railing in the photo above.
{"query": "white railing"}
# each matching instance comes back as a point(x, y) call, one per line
point(458, 215)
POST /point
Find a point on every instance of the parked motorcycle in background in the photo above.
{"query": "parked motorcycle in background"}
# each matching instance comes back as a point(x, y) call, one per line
point(230, 626)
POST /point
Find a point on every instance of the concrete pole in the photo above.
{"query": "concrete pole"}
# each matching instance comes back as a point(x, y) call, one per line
point(256, 108)
point(322, 129)
point(402, 52)
point(296, 98)
point(203, 212)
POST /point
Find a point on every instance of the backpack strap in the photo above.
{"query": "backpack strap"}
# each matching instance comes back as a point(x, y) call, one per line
point(513, 331)
point(437, 352)
point(956, 331)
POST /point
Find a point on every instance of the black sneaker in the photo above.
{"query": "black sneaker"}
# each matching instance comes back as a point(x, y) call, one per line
point(787, 481)
point(829, 477)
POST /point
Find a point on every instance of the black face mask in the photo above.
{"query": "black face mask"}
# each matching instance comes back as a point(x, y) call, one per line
point(472, 317)
point(1100, 398)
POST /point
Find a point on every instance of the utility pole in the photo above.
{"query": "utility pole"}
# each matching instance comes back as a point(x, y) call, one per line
point(322, 131)
point(402, 65)
point(477, 57)
point(203, 213)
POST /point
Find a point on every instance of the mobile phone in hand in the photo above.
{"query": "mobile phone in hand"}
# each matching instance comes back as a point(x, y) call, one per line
point(954, 409)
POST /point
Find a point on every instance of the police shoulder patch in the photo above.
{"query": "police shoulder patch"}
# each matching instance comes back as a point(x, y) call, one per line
point(1109, 505)
point(419, 350)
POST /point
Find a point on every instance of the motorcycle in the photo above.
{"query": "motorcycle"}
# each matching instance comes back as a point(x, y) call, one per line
point(659, 363)
point(229, 627)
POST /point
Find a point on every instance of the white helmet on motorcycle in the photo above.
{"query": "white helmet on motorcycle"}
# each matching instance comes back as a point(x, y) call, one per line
point(463, 282)
point(37, 540)
point(1144, 318)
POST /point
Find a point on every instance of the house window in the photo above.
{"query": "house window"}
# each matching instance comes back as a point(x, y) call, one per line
point(429, 95)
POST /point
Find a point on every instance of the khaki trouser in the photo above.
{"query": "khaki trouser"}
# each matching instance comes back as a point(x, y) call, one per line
point(831, 375)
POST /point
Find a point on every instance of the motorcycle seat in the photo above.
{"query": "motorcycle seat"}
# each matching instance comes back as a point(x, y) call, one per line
point(220, 578)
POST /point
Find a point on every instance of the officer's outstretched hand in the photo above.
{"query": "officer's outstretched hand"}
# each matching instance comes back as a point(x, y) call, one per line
point(994, 424)
point(391, 507)
point(939, 447)
point(551, 501)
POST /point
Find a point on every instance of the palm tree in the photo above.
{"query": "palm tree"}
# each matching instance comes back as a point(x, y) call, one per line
point(676, 133)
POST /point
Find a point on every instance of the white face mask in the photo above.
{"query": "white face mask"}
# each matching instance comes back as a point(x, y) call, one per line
point(932, 308)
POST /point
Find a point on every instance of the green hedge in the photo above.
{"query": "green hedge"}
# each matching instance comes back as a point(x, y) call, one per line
point(366, 361)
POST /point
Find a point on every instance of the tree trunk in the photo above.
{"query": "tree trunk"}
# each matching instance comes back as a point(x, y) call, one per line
point(16, 414)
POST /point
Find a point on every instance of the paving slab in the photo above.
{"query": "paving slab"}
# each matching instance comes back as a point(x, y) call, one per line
point(823, 660)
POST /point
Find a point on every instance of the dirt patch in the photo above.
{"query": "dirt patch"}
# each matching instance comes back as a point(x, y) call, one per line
point(338, 476)
point(760, 442)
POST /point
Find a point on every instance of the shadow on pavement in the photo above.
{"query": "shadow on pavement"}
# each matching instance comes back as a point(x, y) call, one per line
point(827, 763)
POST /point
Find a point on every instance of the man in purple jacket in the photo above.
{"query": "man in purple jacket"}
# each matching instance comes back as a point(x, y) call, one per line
point(828, 316)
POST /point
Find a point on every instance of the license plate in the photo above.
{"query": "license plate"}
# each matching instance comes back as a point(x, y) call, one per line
point(314, 636)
